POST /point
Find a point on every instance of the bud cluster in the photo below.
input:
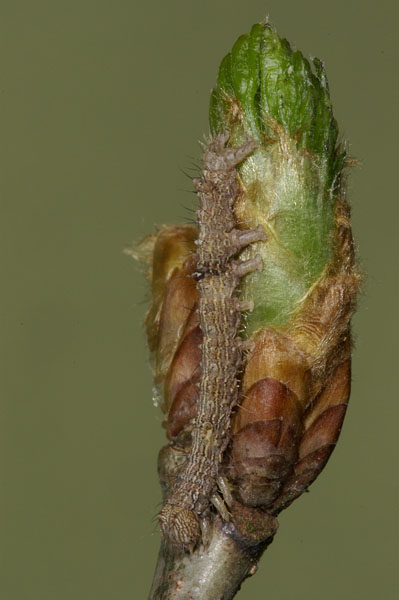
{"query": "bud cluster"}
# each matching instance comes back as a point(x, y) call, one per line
point(294, 386)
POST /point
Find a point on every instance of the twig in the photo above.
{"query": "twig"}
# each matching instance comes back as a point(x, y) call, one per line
point(211, 572)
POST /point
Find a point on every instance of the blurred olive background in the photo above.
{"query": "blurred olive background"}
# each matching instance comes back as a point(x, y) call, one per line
point(102, 107)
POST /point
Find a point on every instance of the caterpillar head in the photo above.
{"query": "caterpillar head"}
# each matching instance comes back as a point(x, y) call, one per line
point(180, 526)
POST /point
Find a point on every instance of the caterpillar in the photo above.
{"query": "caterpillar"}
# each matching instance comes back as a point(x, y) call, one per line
point(217, 275)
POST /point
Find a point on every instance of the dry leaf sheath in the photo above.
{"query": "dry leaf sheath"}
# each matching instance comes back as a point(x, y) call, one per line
point(249, 326)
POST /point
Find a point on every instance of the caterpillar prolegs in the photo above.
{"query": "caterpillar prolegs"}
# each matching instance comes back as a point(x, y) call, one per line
point(217, 274)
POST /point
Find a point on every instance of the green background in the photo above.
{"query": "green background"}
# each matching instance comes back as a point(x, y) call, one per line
point(102, 104)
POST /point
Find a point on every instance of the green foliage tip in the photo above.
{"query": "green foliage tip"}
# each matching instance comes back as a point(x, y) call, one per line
point(273, 84)
point(291, 182)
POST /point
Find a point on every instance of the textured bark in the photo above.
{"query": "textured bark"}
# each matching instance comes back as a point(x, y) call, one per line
point(211, 572)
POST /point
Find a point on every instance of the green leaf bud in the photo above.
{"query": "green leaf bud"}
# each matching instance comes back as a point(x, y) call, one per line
point(291, 182)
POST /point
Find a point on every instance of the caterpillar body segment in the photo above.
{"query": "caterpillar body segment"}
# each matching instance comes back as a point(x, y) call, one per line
point(217, 275)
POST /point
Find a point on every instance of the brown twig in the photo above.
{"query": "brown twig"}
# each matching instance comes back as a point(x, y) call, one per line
point(211, 572)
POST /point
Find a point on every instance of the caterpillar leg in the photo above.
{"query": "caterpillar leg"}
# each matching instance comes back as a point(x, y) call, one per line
point(244, 305)
point(220, 506)
point(225, 489)
point(244, 237)
point(242, 267)
point(218, 156)
point(206, 530)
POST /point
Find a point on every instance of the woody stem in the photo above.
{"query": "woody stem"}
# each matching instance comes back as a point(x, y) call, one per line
point(214, 572)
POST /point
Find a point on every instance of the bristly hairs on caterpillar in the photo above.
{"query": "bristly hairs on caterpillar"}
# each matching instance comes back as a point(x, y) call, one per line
point(217, 276)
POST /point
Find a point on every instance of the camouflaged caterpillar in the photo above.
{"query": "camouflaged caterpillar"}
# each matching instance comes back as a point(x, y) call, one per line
point(217, 275)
